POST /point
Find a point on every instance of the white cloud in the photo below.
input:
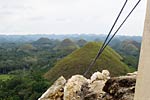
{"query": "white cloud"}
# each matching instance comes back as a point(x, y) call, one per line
point(68, 16)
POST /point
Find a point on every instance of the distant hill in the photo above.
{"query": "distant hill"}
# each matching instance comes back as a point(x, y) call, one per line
point(115, 43)
point(78, 61)
point(45, 43)
point(129, 49)
point(42, 41)
point(81, 42)
point(3, 40)
point(131, 44)
point(26, 48)
point(87, 37)
point(134, 38)
point(66, 44)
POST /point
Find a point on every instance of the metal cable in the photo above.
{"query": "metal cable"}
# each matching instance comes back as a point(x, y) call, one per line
point(120, 26)
point(93, 62)
point(105, 44)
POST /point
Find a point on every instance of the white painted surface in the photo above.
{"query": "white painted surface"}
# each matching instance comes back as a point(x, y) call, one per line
point(143, 79)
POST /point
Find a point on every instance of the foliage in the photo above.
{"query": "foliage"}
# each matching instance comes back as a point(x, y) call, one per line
point(78, 61)
point(26, 56)
point(5, 77)
point(22, 64)
point(29, 87)
point(130, 51)
point(81, 42)
point(67, 44)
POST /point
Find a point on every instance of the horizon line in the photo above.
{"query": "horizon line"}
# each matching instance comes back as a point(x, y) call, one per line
point(7, 34)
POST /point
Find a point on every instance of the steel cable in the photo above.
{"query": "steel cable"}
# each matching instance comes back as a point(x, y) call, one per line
point(104, 45)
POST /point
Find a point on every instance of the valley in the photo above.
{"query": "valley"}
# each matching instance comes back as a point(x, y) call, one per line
point(30, 64)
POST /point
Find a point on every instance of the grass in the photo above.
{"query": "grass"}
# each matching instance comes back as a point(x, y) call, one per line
point(5, 77)
point(67, 44)
point(78, 61)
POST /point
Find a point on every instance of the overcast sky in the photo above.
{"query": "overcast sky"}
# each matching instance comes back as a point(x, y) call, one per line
point(68, 16)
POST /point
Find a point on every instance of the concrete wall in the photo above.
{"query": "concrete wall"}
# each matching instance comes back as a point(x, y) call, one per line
point(143, 80)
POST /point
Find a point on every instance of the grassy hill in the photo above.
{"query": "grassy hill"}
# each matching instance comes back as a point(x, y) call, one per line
point(131, 47)
point(78, 61)
point(130, 50)
point(27, 48)
point(81, 42)
point(43, 41)
point(66, 44)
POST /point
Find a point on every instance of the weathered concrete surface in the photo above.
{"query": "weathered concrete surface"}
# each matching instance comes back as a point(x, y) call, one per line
point(142, 91)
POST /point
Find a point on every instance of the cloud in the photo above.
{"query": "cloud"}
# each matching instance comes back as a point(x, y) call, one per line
point(68, 16)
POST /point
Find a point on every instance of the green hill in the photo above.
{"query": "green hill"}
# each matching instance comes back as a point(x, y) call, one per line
point(78, 61)
point(27, 48)
point(42, 41)
point(81, 42)
point(131, 47)
point(130, 50)
point(45, 43)
point(66, 44)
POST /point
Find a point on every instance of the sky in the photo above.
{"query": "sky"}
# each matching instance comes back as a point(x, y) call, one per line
point(68, 16)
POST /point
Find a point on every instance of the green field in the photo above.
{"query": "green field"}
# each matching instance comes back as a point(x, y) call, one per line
point(5, 77)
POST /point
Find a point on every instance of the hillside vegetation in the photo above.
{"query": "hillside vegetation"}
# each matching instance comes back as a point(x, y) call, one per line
point(129, 50)
point(25, 59)
point(78, 61)
point(66, 44)
point(81, 42)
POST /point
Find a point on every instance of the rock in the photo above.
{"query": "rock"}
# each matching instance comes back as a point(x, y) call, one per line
point(100, 76)
point(96, 76)
point(132, 74)
point(86, 94)
point(94, 89)
point(72, 89)
point(80, 88)
point(106, 74)
point(99, 87)
point(120, 88)
point(55, 92)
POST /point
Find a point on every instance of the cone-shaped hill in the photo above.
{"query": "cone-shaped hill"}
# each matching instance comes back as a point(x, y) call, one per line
point(81, 42)
point(78, 61)
point(130, 45)
point(66, 44)
point(130, 50)
point(42, 41)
